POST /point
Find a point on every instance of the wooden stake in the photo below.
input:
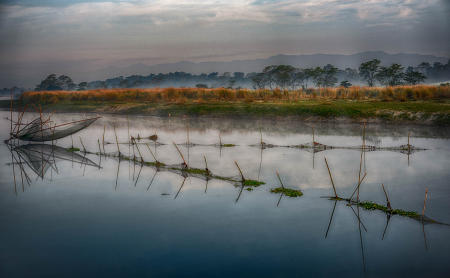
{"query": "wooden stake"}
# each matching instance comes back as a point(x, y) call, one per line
point(331, 178)
point(182, 157)
point(117, 141)
point(239, 168)
point(151, 152)
point(84, 148)
point(260, 137)
point(387, 198)
point(187, 131)
point(357, 187)
point(11, 116)
point(278, 175)
point(140, 154)
point(206, 165)
point(99, 148)
point(425, 202)
point(103, 138)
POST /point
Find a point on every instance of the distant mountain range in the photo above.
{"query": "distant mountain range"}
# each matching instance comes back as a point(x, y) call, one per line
point(256, 65)
point(28, 74)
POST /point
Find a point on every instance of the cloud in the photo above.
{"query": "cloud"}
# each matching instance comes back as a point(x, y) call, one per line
point(170, 12)
point(108, 31)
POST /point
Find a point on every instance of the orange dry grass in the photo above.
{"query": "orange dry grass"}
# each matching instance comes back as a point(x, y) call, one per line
point(182, 95)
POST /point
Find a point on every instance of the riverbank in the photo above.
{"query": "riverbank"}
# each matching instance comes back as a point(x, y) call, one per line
point(417, 112)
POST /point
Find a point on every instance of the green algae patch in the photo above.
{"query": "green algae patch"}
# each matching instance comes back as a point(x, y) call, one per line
point(197, 171)
point(155, 164)
point(249, 189)
point(228, 145)
point(375, 206)
point(73, 149)
point(252, 183)
point(287, 191)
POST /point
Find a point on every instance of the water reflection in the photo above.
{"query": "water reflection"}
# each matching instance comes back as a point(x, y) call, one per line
point(211, 217)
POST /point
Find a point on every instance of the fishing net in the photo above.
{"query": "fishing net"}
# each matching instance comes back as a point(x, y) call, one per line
point(40, 130)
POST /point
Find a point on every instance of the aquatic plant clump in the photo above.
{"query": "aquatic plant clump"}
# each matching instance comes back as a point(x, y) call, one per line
point(375, 206)
point(228, 145)
point(252, 183)
point(287, 191)
point(73, 149)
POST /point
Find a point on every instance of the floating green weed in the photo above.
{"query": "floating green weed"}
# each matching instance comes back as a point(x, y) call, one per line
point(228, 145)
point(287, 191)
point(375, 206)
point(252, 183)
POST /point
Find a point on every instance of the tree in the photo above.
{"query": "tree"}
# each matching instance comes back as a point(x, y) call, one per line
point(269, 76)
point(390, 76)
point(238, 75)
point(316, 75)
point(66, 83)
point(350, 73)
point(413, 77)
point(424, 67)
point(283, 75)
point(345, 84)
point(329, 75)
point(231, 83)
point(259, 80)
point(299, 78)
point(368, 71)
point(200, 85)
point(82, 86)
point(53, 83)
point(309, 74)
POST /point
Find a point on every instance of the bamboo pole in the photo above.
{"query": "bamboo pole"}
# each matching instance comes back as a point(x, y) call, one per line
point(182, 157)
point(117, 141)
point(260, 138)
point(240, 171)
point(140, 154)
point(357, 186)
point(99, 148)
point(84, 148)
point(103, 138)
point(387, 198)
point(425, 202)
point(11, 112)
point(206, 165)
point(331, 178)
point(278, 175)
point(151, 152)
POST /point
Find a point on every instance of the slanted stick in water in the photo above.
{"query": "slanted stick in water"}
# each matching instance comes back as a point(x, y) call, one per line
point(425, 202)
point(182, 157)
point(239, 168)
point(388, 205)
point(331, 178)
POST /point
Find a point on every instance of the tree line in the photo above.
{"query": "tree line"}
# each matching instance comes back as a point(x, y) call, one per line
point(289, 77)
point(370, 72)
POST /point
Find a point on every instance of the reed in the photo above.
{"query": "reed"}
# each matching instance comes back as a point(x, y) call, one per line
point(200, 95)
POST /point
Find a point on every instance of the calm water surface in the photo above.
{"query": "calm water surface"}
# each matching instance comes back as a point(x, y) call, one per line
point(86, 221)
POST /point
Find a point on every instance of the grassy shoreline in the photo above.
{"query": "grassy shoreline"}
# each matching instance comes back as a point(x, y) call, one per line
point(421, 112)
point(410, 104)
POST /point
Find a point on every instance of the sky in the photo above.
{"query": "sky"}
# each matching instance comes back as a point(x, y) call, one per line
point(70, 36)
